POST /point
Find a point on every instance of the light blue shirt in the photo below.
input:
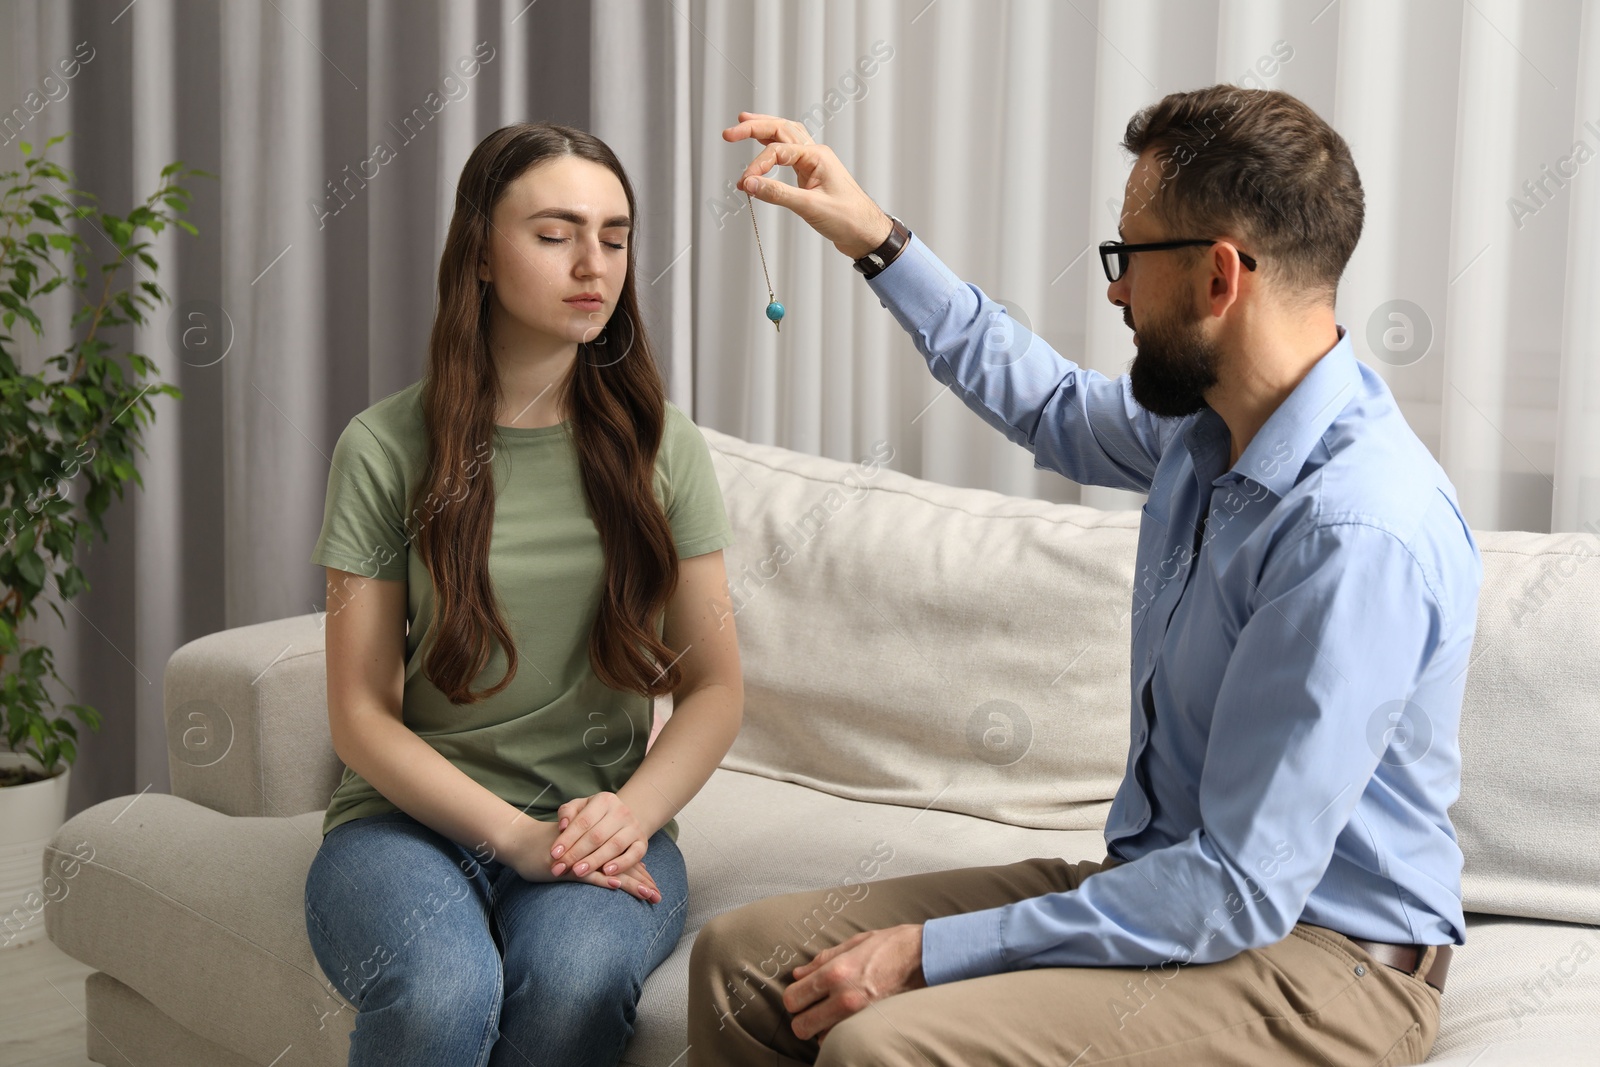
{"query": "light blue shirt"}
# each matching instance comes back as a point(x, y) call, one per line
point(1297, 663)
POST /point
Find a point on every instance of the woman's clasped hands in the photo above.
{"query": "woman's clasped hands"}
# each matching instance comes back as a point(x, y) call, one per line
point(600, 833)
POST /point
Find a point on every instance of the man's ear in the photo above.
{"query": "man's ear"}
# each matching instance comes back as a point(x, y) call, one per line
point(1223, 279)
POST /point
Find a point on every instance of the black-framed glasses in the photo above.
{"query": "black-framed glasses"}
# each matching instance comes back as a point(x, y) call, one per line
point(1114, 254)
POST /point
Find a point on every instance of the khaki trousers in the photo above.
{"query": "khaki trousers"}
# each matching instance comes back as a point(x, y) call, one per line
point(1314, 997)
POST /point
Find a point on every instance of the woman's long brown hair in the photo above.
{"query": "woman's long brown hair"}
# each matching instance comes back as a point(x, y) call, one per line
point(616, 411)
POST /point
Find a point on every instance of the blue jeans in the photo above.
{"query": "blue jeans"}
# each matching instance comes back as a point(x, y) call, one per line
point(453, 959)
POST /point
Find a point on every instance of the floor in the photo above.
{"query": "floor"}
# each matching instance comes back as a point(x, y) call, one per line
point(42, 990)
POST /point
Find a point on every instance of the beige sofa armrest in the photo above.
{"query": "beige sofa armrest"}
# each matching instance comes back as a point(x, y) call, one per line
point(247, 720)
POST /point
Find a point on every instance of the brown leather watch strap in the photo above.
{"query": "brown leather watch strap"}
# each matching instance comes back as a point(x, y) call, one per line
point(873, 262)
point(1406, 958)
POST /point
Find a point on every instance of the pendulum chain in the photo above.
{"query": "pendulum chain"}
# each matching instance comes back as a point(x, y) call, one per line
point(774, 309)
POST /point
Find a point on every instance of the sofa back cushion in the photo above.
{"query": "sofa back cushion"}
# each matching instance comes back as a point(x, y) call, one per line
point(1529, 815)
point(912, 643)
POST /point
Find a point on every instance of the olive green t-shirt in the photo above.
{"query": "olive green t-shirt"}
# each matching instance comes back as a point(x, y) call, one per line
point(556, 732)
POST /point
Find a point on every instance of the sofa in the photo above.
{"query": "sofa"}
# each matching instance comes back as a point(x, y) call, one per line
point(935, 677)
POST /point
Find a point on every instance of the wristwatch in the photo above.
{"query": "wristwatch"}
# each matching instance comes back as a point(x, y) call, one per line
point(873, 262)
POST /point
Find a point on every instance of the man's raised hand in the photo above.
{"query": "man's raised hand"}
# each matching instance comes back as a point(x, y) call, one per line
point(825, 195)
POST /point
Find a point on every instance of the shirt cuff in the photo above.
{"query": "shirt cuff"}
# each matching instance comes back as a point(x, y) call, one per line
point(915, 286)
point(955, 947)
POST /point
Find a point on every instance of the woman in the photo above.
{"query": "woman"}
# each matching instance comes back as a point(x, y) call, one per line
point(523, 549)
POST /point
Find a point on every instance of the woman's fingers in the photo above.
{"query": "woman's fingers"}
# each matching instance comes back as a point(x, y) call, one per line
point(604, 853)
point(624, 860)
point(568, 811)
point(625, 882)
point(583, 836)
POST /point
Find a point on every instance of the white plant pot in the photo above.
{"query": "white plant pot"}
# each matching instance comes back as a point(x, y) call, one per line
point(30, 815)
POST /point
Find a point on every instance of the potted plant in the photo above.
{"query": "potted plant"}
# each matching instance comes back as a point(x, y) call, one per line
point(80, 414)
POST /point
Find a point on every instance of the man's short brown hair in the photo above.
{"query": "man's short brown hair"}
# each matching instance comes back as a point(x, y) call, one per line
point(1259, 164)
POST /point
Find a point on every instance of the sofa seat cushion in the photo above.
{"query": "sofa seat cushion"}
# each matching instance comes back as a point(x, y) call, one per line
point(201, 914)
point(1530, 984)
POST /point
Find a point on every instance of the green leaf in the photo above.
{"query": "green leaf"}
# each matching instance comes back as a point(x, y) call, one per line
point(72, 583)
point(25, 146)
point(31, 567)
point(187, 225)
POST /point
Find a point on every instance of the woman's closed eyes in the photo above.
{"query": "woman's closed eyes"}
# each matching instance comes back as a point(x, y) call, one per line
point(559, 240)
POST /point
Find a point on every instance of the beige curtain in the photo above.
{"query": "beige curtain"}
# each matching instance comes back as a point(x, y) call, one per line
point(991, 128)
point(307, 296)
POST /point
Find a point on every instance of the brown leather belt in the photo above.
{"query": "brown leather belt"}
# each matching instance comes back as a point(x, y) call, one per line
point(1407, 957)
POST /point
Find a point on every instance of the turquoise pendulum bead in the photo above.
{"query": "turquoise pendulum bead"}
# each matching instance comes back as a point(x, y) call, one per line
point(774, 309)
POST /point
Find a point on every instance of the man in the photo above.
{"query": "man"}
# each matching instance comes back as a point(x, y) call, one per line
point(1282, 882)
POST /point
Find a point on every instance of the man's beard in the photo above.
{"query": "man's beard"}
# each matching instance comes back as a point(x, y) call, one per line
point(1174, 366)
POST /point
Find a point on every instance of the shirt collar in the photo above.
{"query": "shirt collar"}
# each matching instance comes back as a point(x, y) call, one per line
point(1281, 447)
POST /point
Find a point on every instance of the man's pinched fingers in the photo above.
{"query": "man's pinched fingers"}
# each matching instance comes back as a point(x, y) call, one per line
point(768, 128)
point(781, 154)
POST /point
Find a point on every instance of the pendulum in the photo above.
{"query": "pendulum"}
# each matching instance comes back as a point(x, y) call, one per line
point(774, 309)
